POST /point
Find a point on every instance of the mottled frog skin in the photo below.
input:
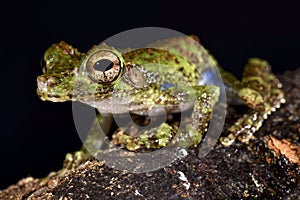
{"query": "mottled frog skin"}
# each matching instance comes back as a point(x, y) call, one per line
point(134, 79)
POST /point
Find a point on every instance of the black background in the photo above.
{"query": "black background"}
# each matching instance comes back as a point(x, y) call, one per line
point(35, 135)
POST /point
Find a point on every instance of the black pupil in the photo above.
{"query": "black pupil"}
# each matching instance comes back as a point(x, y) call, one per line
point(103, 65)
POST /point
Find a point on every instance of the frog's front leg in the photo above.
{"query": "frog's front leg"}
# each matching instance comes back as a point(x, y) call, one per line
point(262, 94)
point(92, 144)
point(190, 135)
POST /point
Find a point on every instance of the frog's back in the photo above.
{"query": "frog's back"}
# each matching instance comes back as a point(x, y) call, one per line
point(190, 48)
point(171, 67)
point(183, 56)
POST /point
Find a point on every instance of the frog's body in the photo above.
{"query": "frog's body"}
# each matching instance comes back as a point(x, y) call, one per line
point(140, 86)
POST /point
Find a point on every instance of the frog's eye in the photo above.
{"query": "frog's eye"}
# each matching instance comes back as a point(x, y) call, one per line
point(103, 66)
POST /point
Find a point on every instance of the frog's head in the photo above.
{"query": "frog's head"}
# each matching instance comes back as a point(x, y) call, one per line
point(114, 82)
point(71, 75)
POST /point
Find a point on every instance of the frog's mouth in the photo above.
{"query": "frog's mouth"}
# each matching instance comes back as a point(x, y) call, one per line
point(61, 88)
point(109, 104)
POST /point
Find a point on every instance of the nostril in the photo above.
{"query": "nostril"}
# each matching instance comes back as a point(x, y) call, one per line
point(52, 81)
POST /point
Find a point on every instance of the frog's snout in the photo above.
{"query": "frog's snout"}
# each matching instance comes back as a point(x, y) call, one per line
point(42, 84)
point(45, 89)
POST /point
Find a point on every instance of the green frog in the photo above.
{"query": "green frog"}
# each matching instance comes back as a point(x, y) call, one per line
point(137, 85)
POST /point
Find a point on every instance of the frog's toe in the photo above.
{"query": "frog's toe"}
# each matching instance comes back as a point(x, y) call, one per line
point(246, 137)
point(73, 160)
point(227, 141)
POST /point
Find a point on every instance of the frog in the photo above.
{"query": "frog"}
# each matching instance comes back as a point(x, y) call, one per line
point(138, 86)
